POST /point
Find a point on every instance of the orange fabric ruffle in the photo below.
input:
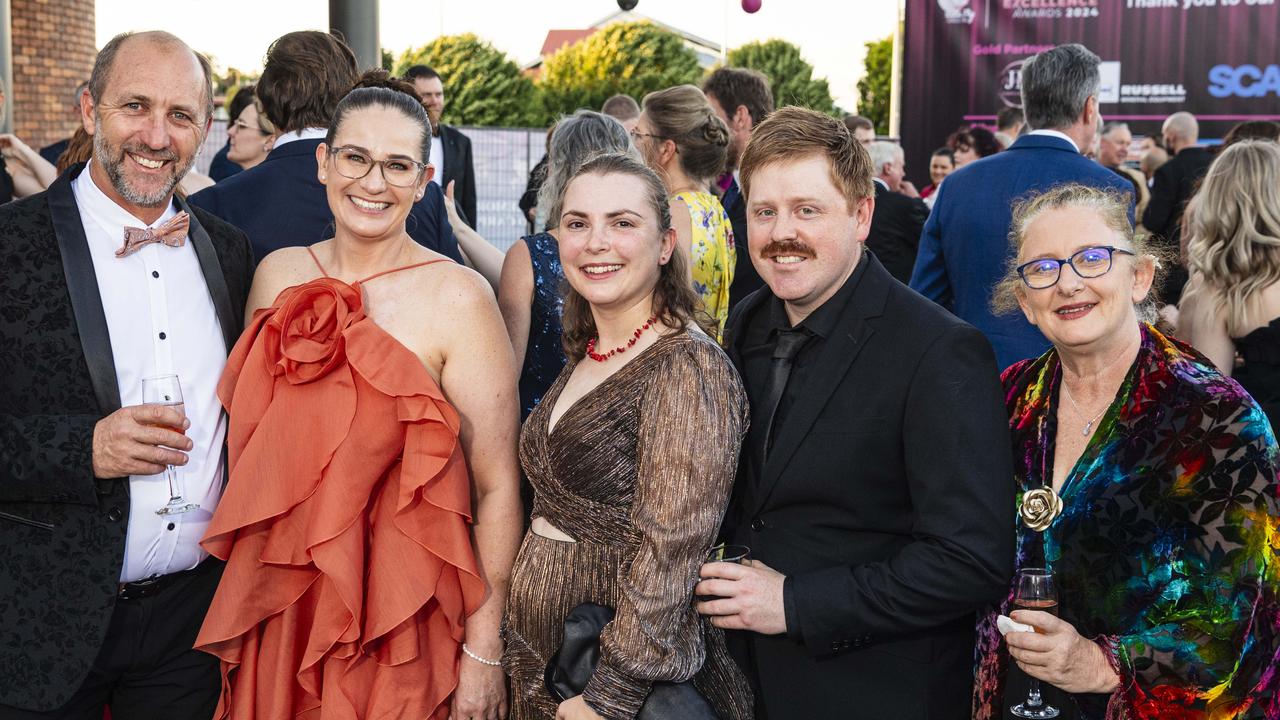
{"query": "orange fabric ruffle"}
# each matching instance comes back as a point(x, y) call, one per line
point(345, 523)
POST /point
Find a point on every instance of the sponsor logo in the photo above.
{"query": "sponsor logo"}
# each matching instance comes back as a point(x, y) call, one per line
point(1248, 81)
point(957, 12)
point(1109, 90)
point(1153, 93)
point(1011, 84)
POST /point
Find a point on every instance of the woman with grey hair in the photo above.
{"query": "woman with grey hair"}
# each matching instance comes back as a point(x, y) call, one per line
point(1146, 483)
point(529, 289)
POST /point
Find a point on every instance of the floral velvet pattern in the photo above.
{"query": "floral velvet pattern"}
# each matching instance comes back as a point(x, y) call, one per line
point(1166, 547)
point(713, 254)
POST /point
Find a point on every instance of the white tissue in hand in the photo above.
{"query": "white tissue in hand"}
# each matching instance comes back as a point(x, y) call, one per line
point(1005, 625)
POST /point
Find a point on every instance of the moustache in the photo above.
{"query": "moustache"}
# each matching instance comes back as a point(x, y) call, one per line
point(777, 248)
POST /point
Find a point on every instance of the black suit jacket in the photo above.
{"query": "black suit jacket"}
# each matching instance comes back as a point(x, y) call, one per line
point(745, 278)
point(280, 203)
point(1171, 187)
point(887, 500)
point(458, 169)
point(895, 231)
point(62, 531)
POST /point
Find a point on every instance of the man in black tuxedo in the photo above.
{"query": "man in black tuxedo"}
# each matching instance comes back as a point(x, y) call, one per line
point(1173, 185)
point(280, 202)
point(451, 156)
point(109, 278)
point(742, 99)
point(875, 485)
point(898, 219)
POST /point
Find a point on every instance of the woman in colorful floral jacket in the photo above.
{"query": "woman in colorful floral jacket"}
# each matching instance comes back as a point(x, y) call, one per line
point(1147, 483)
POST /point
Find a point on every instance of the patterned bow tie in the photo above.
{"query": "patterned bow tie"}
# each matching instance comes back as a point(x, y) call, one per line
point(172, 232)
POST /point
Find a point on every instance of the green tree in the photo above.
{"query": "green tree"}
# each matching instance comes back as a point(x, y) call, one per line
point(634, 58)
point(790, 76)
point(874, 87)
point(483, 87)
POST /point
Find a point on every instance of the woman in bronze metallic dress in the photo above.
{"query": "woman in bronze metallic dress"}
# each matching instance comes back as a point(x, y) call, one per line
point(632, 455)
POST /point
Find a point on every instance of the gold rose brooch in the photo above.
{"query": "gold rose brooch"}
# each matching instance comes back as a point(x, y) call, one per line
point(1039, 508)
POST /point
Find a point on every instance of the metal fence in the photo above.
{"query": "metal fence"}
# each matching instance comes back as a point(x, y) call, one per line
point(502, 158)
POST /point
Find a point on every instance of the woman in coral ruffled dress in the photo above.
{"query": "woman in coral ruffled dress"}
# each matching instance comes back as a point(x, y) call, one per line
point(372, 513)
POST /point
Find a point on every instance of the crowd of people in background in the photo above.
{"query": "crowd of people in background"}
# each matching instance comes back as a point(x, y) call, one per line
point(746, 426)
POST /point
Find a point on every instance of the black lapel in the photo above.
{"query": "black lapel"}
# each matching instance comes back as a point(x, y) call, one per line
point(82, 287)
point(207, 254)
point(450, 146)
point(833, 363)
point(736, 327)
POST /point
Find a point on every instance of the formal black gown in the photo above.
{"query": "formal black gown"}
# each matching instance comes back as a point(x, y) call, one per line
point(1260, 372)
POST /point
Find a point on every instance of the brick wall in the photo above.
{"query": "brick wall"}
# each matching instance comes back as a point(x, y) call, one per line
point(53, 51)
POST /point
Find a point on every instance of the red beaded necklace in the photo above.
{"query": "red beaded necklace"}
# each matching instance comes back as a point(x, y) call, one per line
point(591, 344)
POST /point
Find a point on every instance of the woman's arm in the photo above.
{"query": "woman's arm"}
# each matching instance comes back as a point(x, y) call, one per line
point(479, 380)
point(691, 422)
point(30, 172)
point(479, 254)
point(515, 298)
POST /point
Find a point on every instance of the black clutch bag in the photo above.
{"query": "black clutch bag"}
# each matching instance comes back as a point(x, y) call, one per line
point(569, 670)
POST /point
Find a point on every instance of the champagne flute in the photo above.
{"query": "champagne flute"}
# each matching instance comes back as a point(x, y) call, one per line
point(1036, 590)
point(166, 390)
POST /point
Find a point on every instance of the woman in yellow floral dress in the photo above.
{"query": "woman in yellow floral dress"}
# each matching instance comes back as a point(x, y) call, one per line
point(682, 139)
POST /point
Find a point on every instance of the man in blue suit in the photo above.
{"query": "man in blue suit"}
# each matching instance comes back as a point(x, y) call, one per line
point(280, 202)
point(965, 249)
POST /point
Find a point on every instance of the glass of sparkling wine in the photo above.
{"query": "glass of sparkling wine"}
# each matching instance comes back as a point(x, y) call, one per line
point(165, 390)
point(1036, 590)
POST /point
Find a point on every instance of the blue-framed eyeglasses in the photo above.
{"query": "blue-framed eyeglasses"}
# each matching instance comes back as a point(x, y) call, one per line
point(1091, 262)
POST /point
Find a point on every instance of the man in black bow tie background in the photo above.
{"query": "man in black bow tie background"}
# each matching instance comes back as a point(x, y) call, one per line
point(101, 597)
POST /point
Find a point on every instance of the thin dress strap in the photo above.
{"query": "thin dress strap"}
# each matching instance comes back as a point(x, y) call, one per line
point(312, 253)
point(406, 267)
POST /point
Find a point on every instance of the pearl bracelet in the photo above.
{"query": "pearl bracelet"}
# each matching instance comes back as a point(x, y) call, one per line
point(477, 658)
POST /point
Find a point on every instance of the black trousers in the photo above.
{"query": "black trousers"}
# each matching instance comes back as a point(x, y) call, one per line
point(147, 668)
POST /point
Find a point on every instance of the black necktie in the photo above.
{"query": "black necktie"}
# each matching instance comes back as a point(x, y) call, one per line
point(785, 349)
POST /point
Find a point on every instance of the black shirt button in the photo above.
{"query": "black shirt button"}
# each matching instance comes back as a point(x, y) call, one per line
point(162, 336)
point(170, 526)
point(155, 273)
point(757, 524)
point(114, 514)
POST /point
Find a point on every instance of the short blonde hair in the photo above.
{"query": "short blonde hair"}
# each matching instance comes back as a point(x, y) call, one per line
point(793, 133)
point(1111, 206)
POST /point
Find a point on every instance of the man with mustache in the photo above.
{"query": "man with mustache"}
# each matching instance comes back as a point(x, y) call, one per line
point(111, 279)
point(874, 482)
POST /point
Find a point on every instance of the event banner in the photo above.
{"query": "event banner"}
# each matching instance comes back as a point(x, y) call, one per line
point(962, 61)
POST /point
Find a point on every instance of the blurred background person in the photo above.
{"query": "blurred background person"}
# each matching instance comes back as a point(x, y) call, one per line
point(528, 203)
point(971, 143)
point(898, 217)
point(1230, 310)
point(451, 153)
point(23, 171)
point(741, 98)
point(53, 151)
point(1113, 154)
point(624, 109)
point(1152, 160)
point(250, 136)
point(1147, 483)
point(864, 131)
point(1171, 188)
point(941, 163)
point(1249, 130)
point(1009, 122)
point(686, 143)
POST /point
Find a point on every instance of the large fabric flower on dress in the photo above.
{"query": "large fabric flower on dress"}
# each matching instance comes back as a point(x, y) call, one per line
point(305, 338)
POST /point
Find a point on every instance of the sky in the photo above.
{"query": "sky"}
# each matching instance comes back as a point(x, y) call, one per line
point(236, 33)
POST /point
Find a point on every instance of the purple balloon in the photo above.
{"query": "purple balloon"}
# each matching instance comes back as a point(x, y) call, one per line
point(750, 6)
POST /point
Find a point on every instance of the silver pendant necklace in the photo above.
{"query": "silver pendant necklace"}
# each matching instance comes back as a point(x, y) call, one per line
point(1088, 427)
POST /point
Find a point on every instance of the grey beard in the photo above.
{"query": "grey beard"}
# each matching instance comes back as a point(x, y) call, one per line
point(112, 165)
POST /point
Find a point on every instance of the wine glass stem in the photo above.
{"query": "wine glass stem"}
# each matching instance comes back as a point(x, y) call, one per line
point(172, 477)
point(1033, 694)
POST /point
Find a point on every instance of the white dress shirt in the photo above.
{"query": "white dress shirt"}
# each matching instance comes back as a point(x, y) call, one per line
point(1059, 135)
point(303, 134)
point(436, 159)
point(161, 320)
